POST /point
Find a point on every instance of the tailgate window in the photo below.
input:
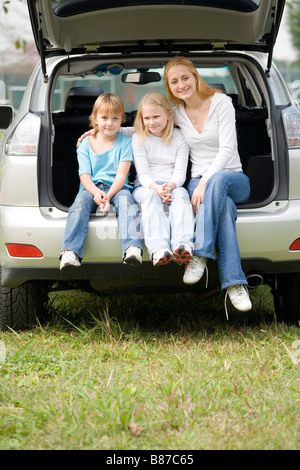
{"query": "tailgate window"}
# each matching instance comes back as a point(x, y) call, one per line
point(64, 8)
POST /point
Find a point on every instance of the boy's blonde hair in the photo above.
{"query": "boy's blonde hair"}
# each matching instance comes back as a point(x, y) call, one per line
point(203, 89)
point(156, 99)
point(107, 103)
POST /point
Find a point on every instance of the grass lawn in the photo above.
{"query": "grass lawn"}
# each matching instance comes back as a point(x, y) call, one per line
point(146, 373)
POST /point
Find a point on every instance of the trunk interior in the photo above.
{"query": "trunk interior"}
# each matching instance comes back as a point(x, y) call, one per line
point(77, 85)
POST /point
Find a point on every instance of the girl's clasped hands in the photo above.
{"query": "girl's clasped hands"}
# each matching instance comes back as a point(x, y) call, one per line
point(164, 192)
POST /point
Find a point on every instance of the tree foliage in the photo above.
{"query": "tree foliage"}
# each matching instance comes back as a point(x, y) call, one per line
point(18, 43)
point(5, 5)
point(293, 17)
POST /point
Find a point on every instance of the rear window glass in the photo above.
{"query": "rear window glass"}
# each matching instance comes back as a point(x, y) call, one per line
point(124, 84)
point(66, 8)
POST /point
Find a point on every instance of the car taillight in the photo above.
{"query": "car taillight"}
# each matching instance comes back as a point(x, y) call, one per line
point(18, 250)
point(291, 119)
point(24, 140)
point(295, 246)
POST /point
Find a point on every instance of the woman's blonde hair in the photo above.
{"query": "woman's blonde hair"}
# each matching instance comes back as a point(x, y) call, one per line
point(203, 89)
point(156, 99)
point(107, 103)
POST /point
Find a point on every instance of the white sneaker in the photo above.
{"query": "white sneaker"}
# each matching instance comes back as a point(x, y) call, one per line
point(182, 253)
point(194, 270)
point(69, 258)
point(133, 256)
point(239, 297)
point(162, 256)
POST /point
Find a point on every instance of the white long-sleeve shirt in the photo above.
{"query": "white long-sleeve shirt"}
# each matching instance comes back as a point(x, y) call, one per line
point(156, 161)
point(215, 148)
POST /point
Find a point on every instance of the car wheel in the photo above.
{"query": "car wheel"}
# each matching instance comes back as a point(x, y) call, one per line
point(286, 295)
point(21, 306)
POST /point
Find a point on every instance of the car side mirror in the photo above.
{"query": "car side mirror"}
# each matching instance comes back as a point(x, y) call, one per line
point(6, 116)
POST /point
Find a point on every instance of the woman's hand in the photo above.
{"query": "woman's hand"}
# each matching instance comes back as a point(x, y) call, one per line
point(92, 132)
point(198, 195)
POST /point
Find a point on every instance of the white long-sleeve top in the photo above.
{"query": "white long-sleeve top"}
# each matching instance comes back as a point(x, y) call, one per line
point(215, 148)
point(156, 161)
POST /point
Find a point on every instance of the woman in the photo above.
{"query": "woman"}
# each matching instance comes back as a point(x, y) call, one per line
point(206, 118)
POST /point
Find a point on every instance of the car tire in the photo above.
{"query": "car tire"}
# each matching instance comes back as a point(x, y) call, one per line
point(20, 307)
point(286, 295)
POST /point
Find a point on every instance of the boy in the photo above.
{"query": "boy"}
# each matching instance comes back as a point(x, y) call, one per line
point(104, 162)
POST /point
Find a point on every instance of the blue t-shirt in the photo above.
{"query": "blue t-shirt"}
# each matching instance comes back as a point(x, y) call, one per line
point(103, 167)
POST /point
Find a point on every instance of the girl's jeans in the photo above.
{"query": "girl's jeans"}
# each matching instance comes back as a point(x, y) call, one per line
point(165, 225)
point(79, 214)
point(215, 223)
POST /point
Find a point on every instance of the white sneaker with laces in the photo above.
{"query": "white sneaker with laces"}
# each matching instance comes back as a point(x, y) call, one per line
point(69, 258)
point(133, 256)
point(162, 256)
point(239, 297)
point(194, 270)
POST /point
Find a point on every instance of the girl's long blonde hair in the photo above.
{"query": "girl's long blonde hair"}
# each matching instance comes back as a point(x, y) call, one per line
point(107, 103)
point(156, 99)
point(203, 89)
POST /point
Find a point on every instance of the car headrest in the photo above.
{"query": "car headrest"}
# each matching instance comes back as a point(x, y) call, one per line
point(236, 99)
point(218, 86)
point(81, 99)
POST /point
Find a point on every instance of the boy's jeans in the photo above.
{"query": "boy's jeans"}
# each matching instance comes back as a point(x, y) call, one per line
point(79, 214)
point(159, 229)
point(215, 223)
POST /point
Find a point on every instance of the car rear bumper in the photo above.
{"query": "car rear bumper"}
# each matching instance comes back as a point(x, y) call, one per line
point(264, 237)
point(114, 278)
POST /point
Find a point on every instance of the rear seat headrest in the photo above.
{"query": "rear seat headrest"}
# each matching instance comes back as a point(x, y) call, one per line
point(218, 86)
point(236, 101)
point(82, 99)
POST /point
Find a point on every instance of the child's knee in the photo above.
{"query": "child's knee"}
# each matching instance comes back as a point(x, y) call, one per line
point(82, 201)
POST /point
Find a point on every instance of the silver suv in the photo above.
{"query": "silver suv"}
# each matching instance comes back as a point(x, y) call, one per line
point(88, 47)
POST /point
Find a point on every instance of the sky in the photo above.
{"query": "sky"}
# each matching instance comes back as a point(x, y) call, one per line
point(283, 48)
point(15, 25)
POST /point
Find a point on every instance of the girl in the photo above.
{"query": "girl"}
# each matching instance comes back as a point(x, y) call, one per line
point(161, 157)
point(104, 161)
point(206, 119)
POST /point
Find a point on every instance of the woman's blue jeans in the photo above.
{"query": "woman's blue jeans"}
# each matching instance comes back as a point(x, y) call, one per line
point(79, 214)
point(215, 227)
